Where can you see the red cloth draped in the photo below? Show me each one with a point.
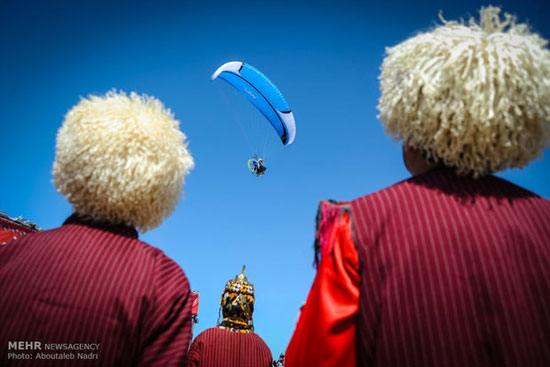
(453, 272)
(325, 333)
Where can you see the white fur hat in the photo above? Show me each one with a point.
(121, 158)
(476, 97)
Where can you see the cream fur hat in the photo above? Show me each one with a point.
(121, 158)
(476, 97)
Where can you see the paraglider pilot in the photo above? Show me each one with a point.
(256, 166)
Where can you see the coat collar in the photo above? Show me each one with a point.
(103, 225)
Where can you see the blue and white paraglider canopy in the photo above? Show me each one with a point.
(263, 94)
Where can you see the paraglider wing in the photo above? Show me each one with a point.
(263, 94)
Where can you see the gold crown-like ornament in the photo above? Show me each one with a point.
(241, 276)
(240, 284)
(237, 304)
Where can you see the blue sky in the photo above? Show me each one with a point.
(324, 56)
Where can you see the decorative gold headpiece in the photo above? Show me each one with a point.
(237, 304)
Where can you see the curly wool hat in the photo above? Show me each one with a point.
(475, 97)
(122, 159)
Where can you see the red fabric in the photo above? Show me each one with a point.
(454, 272)
(6, 236)
(9, 230)
(325, 333)
(195, 303)
(222, 348)
(77, 284)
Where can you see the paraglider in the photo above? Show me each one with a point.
(256, 166)
(265, 96)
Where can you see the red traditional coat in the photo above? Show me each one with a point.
(437, 270)
(93, 289)
(216, 347)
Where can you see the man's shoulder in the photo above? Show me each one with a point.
(389, 193)
(79, 233)
(445, 185)
(436, 183)
(213, 336)
(215, 331)
(86, 242)
(210, 332)
(393, 191)
(261, 342)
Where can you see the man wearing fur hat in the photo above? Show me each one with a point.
(91, 288)
(449, 267)
(233, 342)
